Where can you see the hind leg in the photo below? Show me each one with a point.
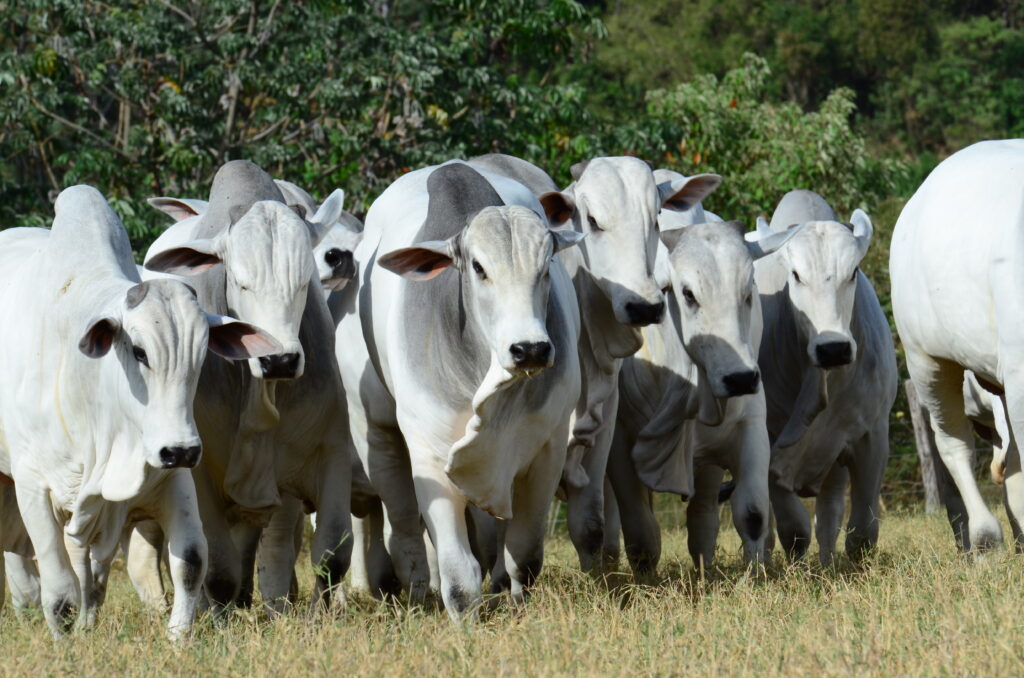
(829, 507)
(940, 387)
(143, 559)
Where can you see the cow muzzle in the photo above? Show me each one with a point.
(531, 356)
(741, 383)
(833, 354)
(641, 314)
(280, 366)
(180, 457)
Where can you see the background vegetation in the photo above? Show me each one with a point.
(857, 99)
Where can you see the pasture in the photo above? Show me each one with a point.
(916, 608)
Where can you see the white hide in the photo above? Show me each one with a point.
(957, 299)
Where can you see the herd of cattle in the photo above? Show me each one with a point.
(427, 384)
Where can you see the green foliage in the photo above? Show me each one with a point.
(765, 149)
(148, 99)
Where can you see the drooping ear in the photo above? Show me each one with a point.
(682, 194)
(862, 229)
(565, 238)
(577, 170)
(188, 259)
(326, 217)
(179, 208)
(767, 244)
(99, 336)
(235, 340)
(423, 261)
(671, 236)
(558, 207)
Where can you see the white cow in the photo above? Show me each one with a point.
(471, 359)
(96, 404)
(829, 371)
(690, 401)
(614, 202)
(957, 298)
(277, 427)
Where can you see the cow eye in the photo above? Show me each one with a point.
(140, 355)
(479, 270)
(796, 277)
(593, 223)
(854, 276)
(750, 299)
(688, 296)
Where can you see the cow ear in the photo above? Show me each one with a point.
(558, 207)
(682, 194)
(670, 236)
(420, 262)
(326, 217)
(179, 208)
(236, 340)
(862, 229)
(99, 336)
(564, 238)
(767, 244)
(577, 170)
(188, 259)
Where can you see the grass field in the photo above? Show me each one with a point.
(916, 608)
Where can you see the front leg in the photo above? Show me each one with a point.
(23, 577)
(586, 504)
(871, 453)
(331, 549)
(702, 517)
(61, 597)
(178, 516)
(750, 508)
(829, 507)
(278, 553)
(792, 521)
(444, 509)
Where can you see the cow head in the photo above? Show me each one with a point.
(160, 337)
(268, 263)
(334, 256)
(615, 202)
(503, 255)
(822, 261)
(712, 280)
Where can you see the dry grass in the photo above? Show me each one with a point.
(916, 609)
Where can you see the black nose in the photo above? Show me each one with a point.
(645, 314)
(280, 366)
(528, 355)
(834, 353)
(742, 383)
(180, 457)
(341, 261)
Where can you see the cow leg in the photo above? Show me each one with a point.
(358, 574)
(1013, 492)
(749, 502)
(81, 563)
(382, 579)
(640, 531)
(444, 509)
(940, 388)
(143, 561)
(792, 521)
(612, 528)
(187, 555)
(483, 535)
(524, 533)
(702, 516)
(432, 566)
(586, 504)
(100, 577)
(387, 466)
(829, 507)
(224, 569)
(246, 537)
(870, 455)
(331, 548)
(60, 594)
(23, 578)
(277, 555)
